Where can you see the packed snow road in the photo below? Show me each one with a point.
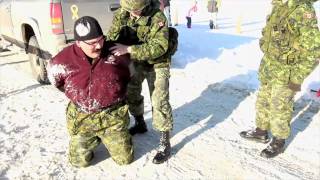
(205, 140)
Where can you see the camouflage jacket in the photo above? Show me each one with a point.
(147, 35)
(291, 38)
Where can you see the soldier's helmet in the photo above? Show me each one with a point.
(134, 5)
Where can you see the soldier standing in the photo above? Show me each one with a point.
(143, 27)
(95, 81)
(291, 46)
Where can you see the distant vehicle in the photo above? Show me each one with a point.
(45, 27)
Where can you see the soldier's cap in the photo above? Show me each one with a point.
(87, 28)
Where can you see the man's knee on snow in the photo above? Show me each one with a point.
(124, 160)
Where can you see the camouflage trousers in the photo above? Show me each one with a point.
(158, 83)
(87, 131)
(274, 108)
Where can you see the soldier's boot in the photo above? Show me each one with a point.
(90, 157)
(257, 135)
(164, 149)
(275, 147)
(211, 25)
(139, 126)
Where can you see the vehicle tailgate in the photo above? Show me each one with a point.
(102, 10)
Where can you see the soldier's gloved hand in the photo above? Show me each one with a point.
(119, 49)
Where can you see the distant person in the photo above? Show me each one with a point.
(165, 7)
(291, 46)
(191, 11)
(95, 81)
(213, 9)
(143, 30)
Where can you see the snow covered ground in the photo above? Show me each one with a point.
(213, 91)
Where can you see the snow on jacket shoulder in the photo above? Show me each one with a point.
(90, 87)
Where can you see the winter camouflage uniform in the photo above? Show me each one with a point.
(291, 47)
(148, 36)
(88, 130)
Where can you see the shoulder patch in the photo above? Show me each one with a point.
(308, 15)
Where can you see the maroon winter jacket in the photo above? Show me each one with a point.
(90, 87)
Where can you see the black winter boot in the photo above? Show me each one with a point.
(164, 149)
(188, 21)
(211, 24)
(257, 135)
(139, 126)
(275, 147)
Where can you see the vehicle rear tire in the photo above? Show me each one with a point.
(36, 60)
